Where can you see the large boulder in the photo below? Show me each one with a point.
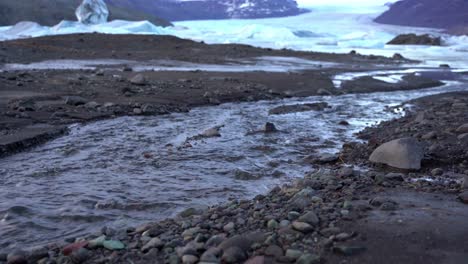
(404, 153)
(92, 12)
(413, 39)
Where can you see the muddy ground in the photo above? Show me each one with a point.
(347, 211)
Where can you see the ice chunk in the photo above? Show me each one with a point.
(92, 12)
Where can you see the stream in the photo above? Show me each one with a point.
(131, 170)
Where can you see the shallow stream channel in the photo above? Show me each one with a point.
(131, 170)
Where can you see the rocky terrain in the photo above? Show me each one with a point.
(346, 210)
(50, 13)
(450, 14)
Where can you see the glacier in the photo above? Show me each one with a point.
(336, 26)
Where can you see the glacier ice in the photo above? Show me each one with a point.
(92, 12)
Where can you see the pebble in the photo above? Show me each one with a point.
(153, 243)
(189, 259)
(274, 251)
(272, 224)
(293, 253)
(345, 172)
(80, 255)
(233, 255)
(113, 245)
(229, 227)
(17, 257)
(310, 218)
(308, 259)
(302, 227)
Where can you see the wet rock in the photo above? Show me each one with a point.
(211, 255)
(302, 227)
(463, 197)
(269, 128)
(383, 202)
(288, 109)
(343, 123)
(348, 250)
(233, 255)
(326, 158)
(92, 12)
(465, 182)
(404, 153)
(463, 137)
(256, 260)
(462, 129)
(37, 253)
(17, 257)
(212, 132)
(398, 56)
(413, 39)
(308, 259)
(322, 91)
(138, 79)
(245, 175)
(215, 241)
(430, 135)
(75, 100)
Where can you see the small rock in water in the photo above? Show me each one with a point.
(404, 153)
(463, 197)
(462, 129)
(113, 245)
(75, 100)
(269, 128)
(212, 132)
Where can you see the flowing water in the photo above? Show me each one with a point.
(131, 170)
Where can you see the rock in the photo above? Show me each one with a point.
(215, 241)
(243, 241)
(308, 259)
(274, 251)
(92, 12)
(245, 175)
(138, 79)
(272, 224)
(153, 243)
(75, 100)
(229, 227)
(256, 260)
(465, 182)
(444, 66)
(326, 158)
(348, 250)
(399, 177)
(288, 109)
(413, 39)
(233, 255)
(345, 172)
(81, 255)
(430, 135)
(189, 259)
(293, 253)
(68, 250)
(302, 227)
(437, 172)
(17, 257)
(462, 129)
(463, 197)
(113, 245)
(322, 91)
(37, 253)
(404, 153)
(211, 255)
(212, 132)
(97, 242)
(398, 56)
(137, 111)
(463, 137)
(269, 128)
(310, 218)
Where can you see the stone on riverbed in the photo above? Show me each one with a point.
(288, 109)
(403, 153)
